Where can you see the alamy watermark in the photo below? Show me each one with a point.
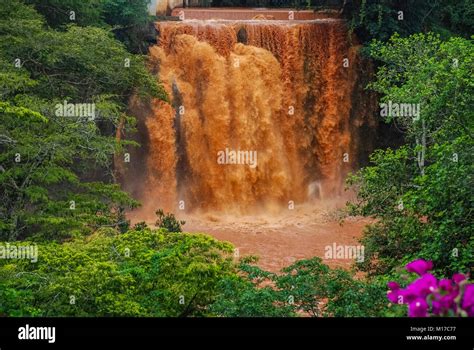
(394, 109)
(230, 156)
(37, 333)
(352, 252)
(80, 110)
(13, 251)
(410, 110)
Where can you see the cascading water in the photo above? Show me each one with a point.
(287, 90)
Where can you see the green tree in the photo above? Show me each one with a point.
(380, 19)
(139, 273)
(168, 221)
(41, 191)
(56, 177)
(421, 194)
(306, 288)
(128, 20)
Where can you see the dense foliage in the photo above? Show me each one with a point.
(158, 273)
(139, 273)
(421, 194)
(128, 20)
(306, 288)
(380, 19)
(56, 175)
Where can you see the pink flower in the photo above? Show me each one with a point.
(418, 308)
(445, 303)
(394, 296)
(468, 300)
(458, 278)
(446, 284)
(393, 286)
(394, 292)
(419, 266)
(423, 286)
(426, 296)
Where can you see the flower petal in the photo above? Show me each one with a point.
(419, 266)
